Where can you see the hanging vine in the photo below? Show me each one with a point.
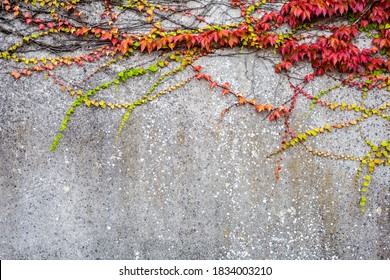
(322, 33)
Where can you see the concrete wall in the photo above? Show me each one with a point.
(178, 184)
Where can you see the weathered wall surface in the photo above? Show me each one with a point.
(178, 184)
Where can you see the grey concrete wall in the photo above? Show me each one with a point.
(178, 184)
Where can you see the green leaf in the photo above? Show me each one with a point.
(153, 68)
(142, 71)
(122, 75)
(160, 63)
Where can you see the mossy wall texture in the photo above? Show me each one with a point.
(177, 183)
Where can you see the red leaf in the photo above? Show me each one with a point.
(114, 41)
(309, 77)
(275, 115)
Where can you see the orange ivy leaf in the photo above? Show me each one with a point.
(140, 8)
(213, 84)
(233, 40)
(226, 86)
(199, 76)
(197, 68)
(26, 72)
(124, 45)
(106, 35)
(259, 108)
(150, 11)
(274, 116)
(268, 107)
(225, 91)
(16, 74)
(241, 99)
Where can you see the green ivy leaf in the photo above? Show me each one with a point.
(160, 63)
(153, 68)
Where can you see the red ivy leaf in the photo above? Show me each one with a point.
(309, 77)
(114, 41)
